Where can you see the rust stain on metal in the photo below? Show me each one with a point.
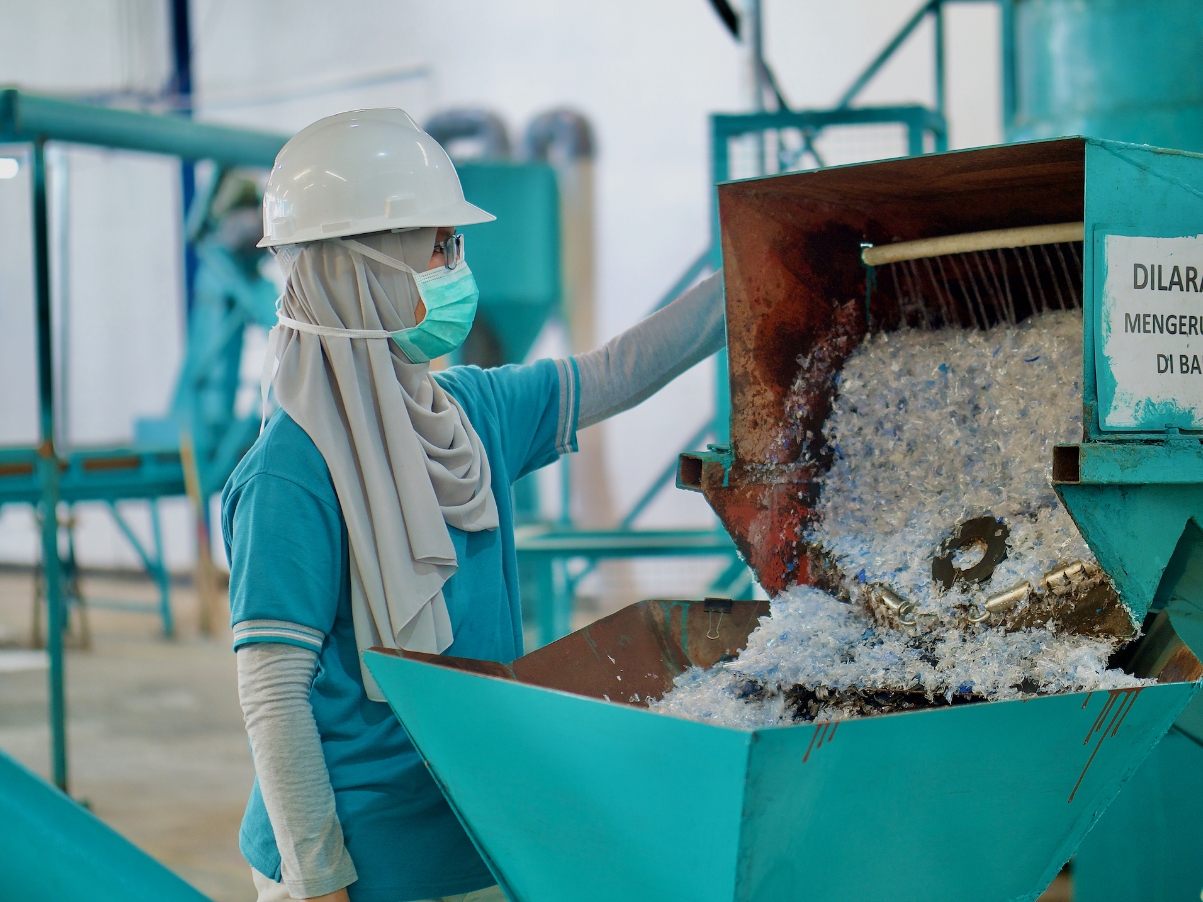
(824, 732)
(1119, 703)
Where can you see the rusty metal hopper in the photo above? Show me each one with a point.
(571, 789)
(796, 308)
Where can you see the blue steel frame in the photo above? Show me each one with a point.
(40, 475)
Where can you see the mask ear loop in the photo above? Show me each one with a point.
(371, 254)
(269, 366)
(363, 250)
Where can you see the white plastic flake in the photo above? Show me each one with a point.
(929, 429)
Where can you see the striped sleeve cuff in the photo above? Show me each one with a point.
(570, 405)
(281, 631)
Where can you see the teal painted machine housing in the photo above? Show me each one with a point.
(1122, 69)
(1128, 70)
(1139, 191)
(1132, 492)
(1137, 497)
(516, 258)
(574, 793)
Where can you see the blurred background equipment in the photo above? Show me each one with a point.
(133, 310)
(46, 475)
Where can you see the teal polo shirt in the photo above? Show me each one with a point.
(286, 541)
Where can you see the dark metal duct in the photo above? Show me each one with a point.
(471, 125)
(562, 133)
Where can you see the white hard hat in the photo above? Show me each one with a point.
(359, 172)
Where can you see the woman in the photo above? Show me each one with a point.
(375, 508)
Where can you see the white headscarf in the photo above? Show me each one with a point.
(405, 461)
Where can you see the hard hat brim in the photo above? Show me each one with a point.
(459, 213)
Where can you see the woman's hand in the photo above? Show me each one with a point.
(339, 895)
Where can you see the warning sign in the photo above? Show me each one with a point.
(1150, 360)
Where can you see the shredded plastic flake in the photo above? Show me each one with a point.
(929, 430)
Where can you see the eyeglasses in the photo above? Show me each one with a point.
(452, 249)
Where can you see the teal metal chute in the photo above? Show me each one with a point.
(572, 790)
(53, 848)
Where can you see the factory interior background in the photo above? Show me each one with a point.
(155, 736)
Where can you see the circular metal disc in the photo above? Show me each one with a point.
(988, 531)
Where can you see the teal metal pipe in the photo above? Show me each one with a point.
(28, 117)
(1122, 69)
(1007, 26)
(623, 543)
(36, 120)
(51, 848)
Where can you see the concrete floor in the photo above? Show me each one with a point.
(156, 742)
(155, 738)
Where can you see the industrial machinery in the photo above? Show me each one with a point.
(585, 795)
(516, 259)
(1085, 68)
(54, 848)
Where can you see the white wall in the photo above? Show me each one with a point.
(646, 74)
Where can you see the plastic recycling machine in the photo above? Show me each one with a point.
(585, 794)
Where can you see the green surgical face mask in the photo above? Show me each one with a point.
(450, 297)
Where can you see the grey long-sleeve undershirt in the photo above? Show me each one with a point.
(637, 363)
(274, 679)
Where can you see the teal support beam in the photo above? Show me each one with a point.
(52, 848)
(703, 263)
(548, 551)
(886, 52)
(940, 86)
(48, 470)
(28, 117)
(153, 565)
(1007, 27)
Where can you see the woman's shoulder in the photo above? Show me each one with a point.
(285, 451)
